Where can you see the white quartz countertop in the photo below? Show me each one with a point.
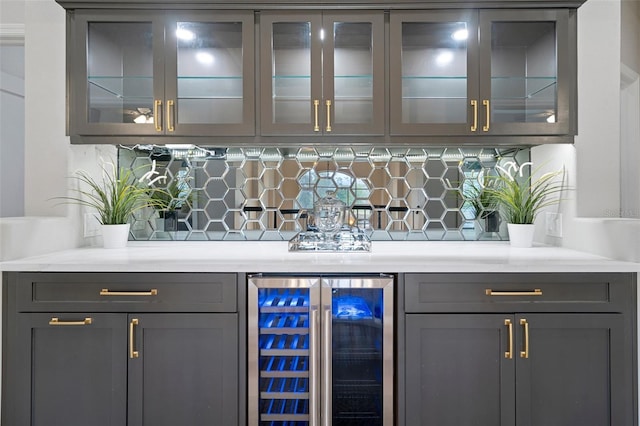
(274, 257)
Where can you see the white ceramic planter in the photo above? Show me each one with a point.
(521, 235)
(115, 236)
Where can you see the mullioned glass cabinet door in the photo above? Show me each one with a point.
(434, 73)
(524, 69)
(141, 73)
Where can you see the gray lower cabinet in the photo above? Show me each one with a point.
(482, 364)
(147, 366)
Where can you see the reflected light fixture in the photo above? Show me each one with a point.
(322, 34)
(184, 34)
(205, 58)
(444, 57)
(551, 118)
(460, 35)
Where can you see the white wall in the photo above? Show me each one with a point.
(11, 129)
(591, 219)
(49, 158)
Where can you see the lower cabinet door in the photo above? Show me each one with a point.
(456, 372)
(575, 370)
(71, 370)
(183, 369)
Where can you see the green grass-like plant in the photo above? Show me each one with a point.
(521, 199)
(481, 198)
(115, 198)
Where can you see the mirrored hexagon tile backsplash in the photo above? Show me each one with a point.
(269, 193)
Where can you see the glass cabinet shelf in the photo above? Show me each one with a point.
(130, 87)
(523, 87)
(434, 87)
(216, 87)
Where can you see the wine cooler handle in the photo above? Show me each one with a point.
(314, 370)
(326, 368)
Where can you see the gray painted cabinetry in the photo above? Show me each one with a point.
(519, 349)
(143, 73)
(114, 349)
(379, 74)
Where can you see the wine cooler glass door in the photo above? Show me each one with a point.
(283, 359)
(357, 352)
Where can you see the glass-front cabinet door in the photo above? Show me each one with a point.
(433, 72)
(117, 81)
(147, 74)
(489, 72)
(209, 75)
(524, 69)
(322, 74)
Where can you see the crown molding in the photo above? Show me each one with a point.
(11, 34)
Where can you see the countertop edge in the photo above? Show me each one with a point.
(274, 257)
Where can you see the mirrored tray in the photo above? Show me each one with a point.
(346, 240)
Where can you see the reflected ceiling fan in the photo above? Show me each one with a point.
(138, 115)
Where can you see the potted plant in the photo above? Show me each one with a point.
(115, 198)
(521, 198)
(168, 202)
(484, 205)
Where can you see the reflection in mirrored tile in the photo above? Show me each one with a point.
(268, 193)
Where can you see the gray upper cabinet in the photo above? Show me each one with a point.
(322, 73)
(486, 72)
(378, 74)
(155, 73)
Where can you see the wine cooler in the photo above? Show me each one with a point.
(320, 350)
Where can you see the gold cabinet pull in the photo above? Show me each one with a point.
(525, 325)
(107, 292)
(328, 103)
(487, 108)
(509, 354)
(132, 329)
(316, 104)
(535, 292)
(474, 104)
(157, 122)
(171, 115)
(56, 321)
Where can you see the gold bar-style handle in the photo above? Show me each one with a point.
(132, 329)
(171, 115)
(509, 354)
(328, 103)
(56, 321)
(487, 108)
(107, 292)
(525, 353)
(157, 103)
(316, 105)
(474, 104)
(534, 292)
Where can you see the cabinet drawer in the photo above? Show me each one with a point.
(126, 292)
(543, 292)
